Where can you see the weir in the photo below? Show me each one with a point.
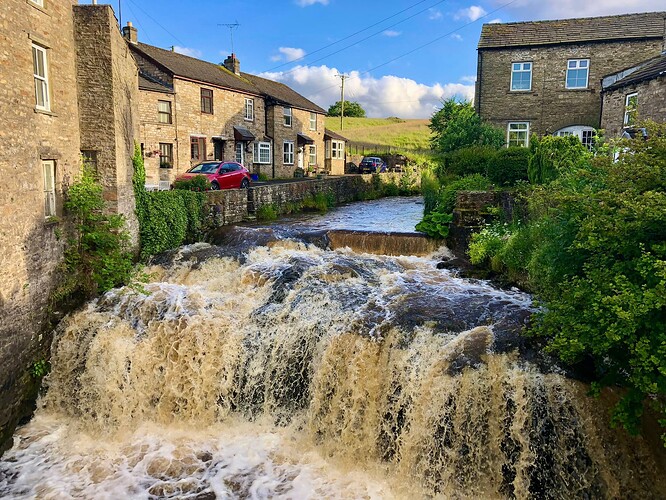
(277, 368)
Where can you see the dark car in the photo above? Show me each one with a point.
(371, 165)
(222, 175)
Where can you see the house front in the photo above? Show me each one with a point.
(544, 77)
(335, 156)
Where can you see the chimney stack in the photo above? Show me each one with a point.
(130, 33)
(232, 64)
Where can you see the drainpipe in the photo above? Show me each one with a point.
(267, 104)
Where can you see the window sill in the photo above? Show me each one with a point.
(248, 119)
(586, 89)
(38, 7)
(45, 112)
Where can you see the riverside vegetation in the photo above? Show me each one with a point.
(590, 244)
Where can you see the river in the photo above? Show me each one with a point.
(272, 366)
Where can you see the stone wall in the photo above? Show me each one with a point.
(227, 207)
(108, 90)
(152, 133)
(651, 105)
(549, 106)
(31, 248)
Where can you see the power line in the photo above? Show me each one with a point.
(157, 22)
(357, 41)
(136, 18)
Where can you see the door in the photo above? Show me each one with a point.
(300, 157)
(218, 147)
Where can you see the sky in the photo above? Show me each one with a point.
(403, 57)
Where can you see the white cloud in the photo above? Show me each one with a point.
(538, 9)
(457, 37)
(289, 54)
(188, 52)
(472, 13)
(380, 97)
(307, 3)
(471, 79)
(495, 21)
(391, 33)
(435, 14)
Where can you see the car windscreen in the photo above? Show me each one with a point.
(205, 168)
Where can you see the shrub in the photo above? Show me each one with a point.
(447, 198)
(551, 155)
(430, 189)
(262, 177)
(470, 160)
(267, 212)
(435, 225)
(509, 166)
(196, 183)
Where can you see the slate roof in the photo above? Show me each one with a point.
(334, 135)
(590, 29)
(653, 69)
(215, 74)
(148, 83)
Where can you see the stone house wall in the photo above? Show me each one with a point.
(335, 166)
(31, 247)
(651, 105)
(228, 111)
(549, 106)
(108, 91)
(281, 133)
(152, 133)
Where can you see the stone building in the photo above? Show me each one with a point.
(48, 48)
(637, 93)
(193, 110)
(544, 77)
(335, 156)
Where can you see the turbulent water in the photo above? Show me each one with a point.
(294, 371)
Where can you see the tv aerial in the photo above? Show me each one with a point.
(231, 27)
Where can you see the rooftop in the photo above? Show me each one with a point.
(567, 31)
(650, 70)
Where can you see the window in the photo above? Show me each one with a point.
(630, 109)
(207, 101)
(583, 132)
(38, 2)
(337, 149)
(249, 109)
(286, 112)
(48, 167)
(288, 153)
(89, 158)
(166, 155)
(521, 76)
(577, 73)
(197, 148)
(239, 152)
(313, 155)
(313, 121)
(262, 152)
(40, 71)
(164, 111)
(518, 134)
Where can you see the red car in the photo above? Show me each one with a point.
(222, 175)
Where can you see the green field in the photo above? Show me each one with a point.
(404, 135)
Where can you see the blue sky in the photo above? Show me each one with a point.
(306, 43)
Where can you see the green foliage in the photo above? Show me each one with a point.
(267, 212)
(430, 190)
(196, 183)
(435, 224)
(509, 166)
(552, 155)
(39, 369)
(449, 192)
(407, 183)
(352, 109)
(470, 160)
(262, 177)
(97, 256)
(456, 125)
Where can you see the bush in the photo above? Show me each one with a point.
(435, 224)
(447, 198)
(509, 166)
(470, 160)
(430, 189)
(267, 212)
(551, 155)
(196, 183)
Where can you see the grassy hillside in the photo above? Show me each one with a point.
(407, 135)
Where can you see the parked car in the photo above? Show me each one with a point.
(222, 175)
(371, 165)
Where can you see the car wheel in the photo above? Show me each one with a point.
(214, 186)
(245, 184)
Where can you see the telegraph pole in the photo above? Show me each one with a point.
(342, 102)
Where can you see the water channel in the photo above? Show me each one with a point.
(267, 365)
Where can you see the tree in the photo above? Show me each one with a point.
(456, 125)
(352, 109)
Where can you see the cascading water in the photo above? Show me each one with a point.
(300, 372)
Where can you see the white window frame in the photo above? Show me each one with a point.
(262, 153)
(287, 116)
(313, 121)
(312, 153)
(577, 68)
(288, 152)
(48, 173)
(249, 109)
(240, 152)
(521, 70)
(512, 128)
(628, 112)
(41, 80)
(39, 3)
(337, 150)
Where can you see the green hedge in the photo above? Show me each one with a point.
(469, 161)
(509, 166)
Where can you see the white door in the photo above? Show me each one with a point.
(300, 157)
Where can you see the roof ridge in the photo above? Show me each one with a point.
(544, 21)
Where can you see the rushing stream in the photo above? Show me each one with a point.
(275, 367)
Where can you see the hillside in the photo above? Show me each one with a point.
(404, 135)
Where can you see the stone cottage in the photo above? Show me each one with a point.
(192, 110)
(637, 93)
(335, 157)
(544, 77)
(66, 83)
